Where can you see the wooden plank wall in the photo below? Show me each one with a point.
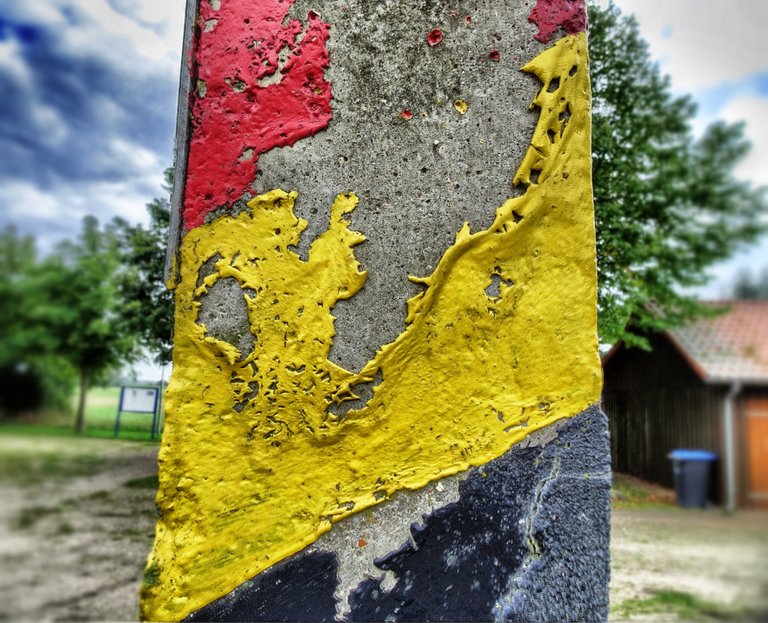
(646, 425)
(656, 403)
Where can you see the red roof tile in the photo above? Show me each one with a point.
(730, 347)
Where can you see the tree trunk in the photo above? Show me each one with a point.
(80, 419)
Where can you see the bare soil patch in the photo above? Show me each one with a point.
(692, 565)
(73, 536)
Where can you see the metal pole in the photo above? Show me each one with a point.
(119, 411)
(155, 414)
(730, 449)
(161, 405)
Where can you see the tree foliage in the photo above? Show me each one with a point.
(93, 305)
(147, 302)
(62, 312)
(88, 324)
(667, 204)
(32, 375)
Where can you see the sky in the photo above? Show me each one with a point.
(88, 93)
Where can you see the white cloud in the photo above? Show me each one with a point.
(711, 41)
(724, 274)
(52, 215)
(26, 203)
(754, 111)
(12, 65)
(135, 159)
(148, 32)
(37, 11)
(120, 39)
(50, 127)
(93, 104)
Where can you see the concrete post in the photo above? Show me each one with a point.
(386, 366)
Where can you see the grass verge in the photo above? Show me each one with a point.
(100, 416)
(668, 605)
(630, 492)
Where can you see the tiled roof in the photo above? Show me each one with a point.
(730, 347)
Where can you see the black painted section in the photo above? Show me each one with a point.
(297, 589)
(528, 540)
(571, 525)
(462, 557)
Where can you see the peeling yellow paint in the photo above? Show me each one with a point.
(501, 342)
(461, 106)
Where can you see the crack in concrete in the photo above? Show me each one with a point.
(534, 547)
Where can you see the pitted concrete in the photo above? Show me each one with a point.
(525, 537)
(225, 314)
(418, 180)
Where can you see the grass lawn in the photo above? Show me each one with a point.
(100, 415)
(673, 605)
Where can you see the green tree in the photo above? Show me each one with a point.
(32, 376)
(667, 205)
(18, 259)
(147, 304)
(82, 314)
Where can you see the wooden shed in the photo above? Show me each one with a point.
(704, 386)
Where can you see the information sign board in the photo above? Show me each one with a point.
(139, 399)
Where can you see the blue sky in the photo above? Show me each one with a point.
(88, 100)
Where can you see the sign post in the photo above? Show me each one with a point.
(383, 403)
(138, 399)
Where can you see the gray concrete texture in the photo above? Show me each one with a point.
(526, 536)
(418, 180)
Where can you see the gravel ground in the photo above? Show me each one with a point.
(720, 561)
(77, 515)
(73, 536)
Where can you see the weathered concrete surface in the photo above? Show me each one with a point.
(523, 538)
(418, 180)
(431, 119)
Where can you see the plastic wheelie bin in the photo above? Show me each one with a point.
(693, 476)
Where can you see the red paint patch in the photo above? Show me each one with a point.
(362, 543)
(247, 103)
(468, 19)
(406, 114)
(434, 37)
(551, 15)
(494, 55)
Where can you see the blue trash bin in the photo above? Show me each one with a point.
(693, 476)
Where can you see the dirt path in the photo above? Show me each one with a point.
(74, 538)
(721, 561)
